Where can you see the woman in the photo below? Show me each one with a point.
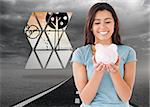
(103, 85)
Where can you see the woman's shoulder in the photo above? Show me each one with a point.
(126, 47)
(80, 54)
(83, 48)
(128, 53)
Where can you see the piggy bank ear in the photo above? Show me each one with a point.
(113, 47)
(98, 46)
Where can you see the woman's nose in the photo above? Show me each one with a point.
(102, 26)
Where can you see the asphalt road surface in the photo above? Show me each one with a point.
(63, 96)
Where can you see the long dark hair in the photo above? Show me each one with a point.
(88, 34)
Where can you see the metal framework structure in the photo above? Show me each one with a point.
(51, 48)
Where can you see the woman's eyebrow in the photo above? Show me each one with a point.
(108, 19)
(104, 19)
(97, 19)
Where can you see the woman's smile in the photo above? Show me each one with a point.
(103, 33)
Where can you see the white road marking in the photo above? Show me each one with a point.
(23, 103)
(77, 101)
(77, 92)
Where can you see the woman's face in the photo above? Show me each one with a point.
(103, 26)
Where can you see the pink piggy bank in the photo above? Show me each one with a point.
(106, 54)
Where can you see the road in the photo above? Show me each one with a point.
(63, 96)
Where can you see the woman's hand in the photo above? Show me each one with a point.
(99, 67)
(112, 68)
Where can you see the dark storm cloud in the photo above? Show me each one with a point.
(135, 22)
(140, 42)
(147, 2)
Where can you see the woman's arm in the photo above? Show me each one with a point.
(87, 88)
(123, 86)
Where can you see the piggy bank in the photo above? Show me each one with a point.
(106, 54)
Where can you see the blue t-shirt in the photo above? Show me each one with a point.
(106, 95)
